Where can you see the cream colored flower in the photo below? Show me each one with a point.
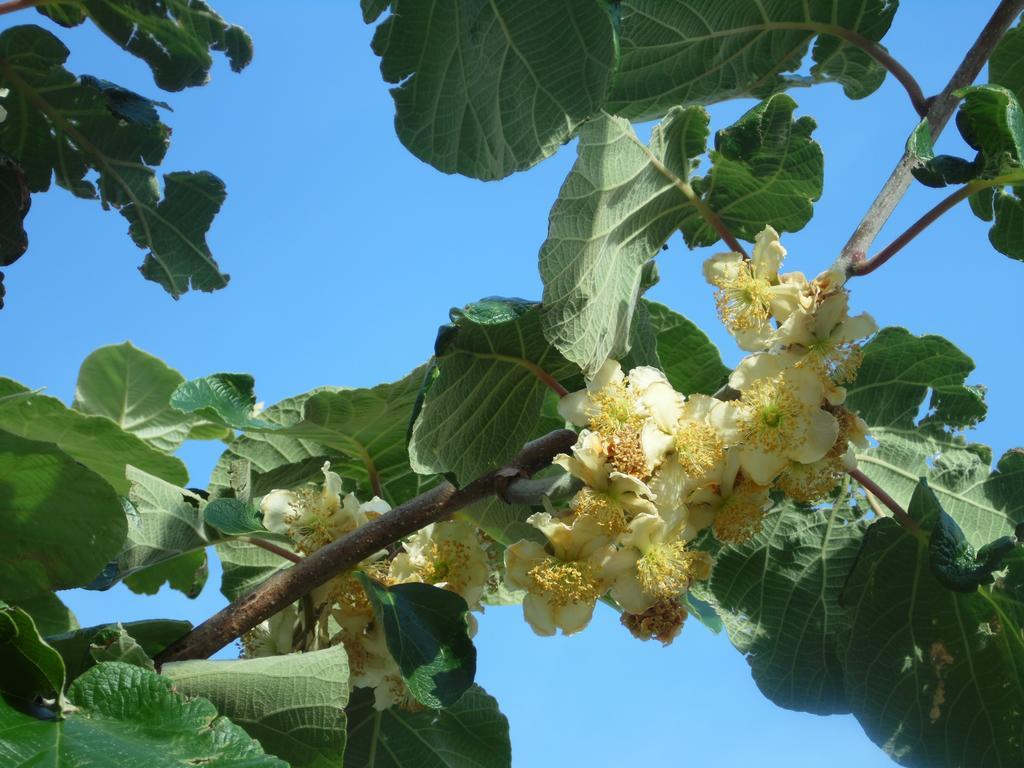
(778, 420)
(737, 505)
(273, 637)
(448, 555)
(672, 487)
(750, 292)
(563, 584)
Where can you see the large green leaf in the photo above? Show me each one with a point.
(50, 614)
(29, 668)
(932, 675)
(778, 595)
(127, 715)
(186, 573)
(294, 704)
(427, 634)
(472, 732)
(133, 389)
(488, 87)
(175, 37)
(152, 636)
(486, 399)
(688, 357)
(62, 522)
(898, 372)
(765, 169)
(681, 52)
(245, 566)
(223, 398)
(95, 441)
(613, 214)
(66, 128)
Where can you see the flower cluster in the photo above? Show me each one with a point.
(659, 467)
(450, 555)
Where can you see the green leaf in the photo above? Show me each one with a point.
(115, 644)
(246, 566)
(294, 704)
(682, 52)
(486, 88)
(174, 38)
(937, 171)
(688, 357)
(68, 128)
(503, 522)
(372, 9)
(223, 398)
(952, 559)
(765, 169)
(614, 212)
(129, 716)
(95, 441)
(427, 635)
(15, 201)
(1007, 234)
(133, 389)
(1006, 65)
(930, 673)
(492, 362)
(472, 732)
(62, 522)
(778, 595)
(164, 522)
(234, 517)
(152, 636)
(991, 121)
(185, 573)
(50, 615)
(29, 668)
(897, 373)
(175, 230)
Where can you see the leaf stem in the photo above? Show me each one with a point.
(941, 109)
(703, 208)
(271, 547)
(287, 586)
(898, 513)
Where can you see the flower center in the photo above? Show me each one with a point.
(744, 301)
(740, 516)
(602, 508)
(810, 482)
(563, 582)
(771, 415)
(699, 448)
(667, 570)
(613, 409)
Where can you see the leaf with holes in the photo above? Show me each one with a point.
(484, 87)
(681, 52)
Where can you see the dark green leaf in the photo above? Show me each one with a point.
(486, 88)
(613, 214)
(50, 615)
(115, 644)
(427, 635)
(688, 357)
(494, 368)
(95, 441)
(133, 389)
(472, 732)
(778, 595)
(941, 170)
(127, 715)
(1006, 66)
(126, 104)
(1007, 234)
(234, 517)
(245, 567)
(29, 668)
(294, 704)
(175, 38)
(372, 9)
(224, 398)
(185, 573)
(67, 128)
(681, 52)
(152, 636)
(765, 169)
(930, 673)
(62, 522)
(15, 201)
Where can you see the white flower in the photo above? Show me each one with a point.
(447, 554)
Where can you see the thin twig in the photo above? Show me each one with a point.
(285, 587)
(21, 5)
(942, 108)
(271, 547)
(898, 512)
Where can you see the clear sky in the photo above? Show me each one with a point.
(346, 253)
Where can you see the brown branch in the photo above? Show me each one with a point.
(898, 513)
(271, 547)
(942, 108)
(21, 5)
(285, 587)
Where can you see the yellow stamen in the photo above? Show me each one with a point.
(744, 301)
(614, 409)
(771, 415)
(605, 511)
(667, 570)
(699, 448)
(563, 582)
(810, 482)
(740, 516)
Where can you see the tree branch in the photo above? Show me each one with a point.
(285, 587)
(942, 108)
(21, 5)
(256, 541)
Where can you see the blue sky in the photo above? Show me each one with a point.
(346, 253)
